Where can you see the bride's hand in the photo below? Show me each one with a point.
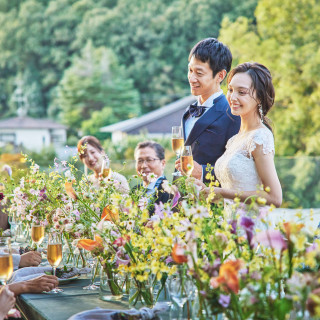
(198, 183)
(204, 194)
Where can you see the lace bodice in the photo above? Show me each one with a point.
(236, 168)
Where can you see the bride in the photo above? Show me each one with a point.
(248, 162)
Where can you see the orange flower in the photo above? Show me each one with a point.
(89, 245)
(228, 275)
(108, 215)
(291, 227)
(178, 254)
(70, 191)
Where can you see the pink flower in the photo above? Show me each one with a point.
(175, 199)
(272, 238)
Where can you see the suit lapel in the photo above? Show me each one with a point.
(184, 118)
(209, 117)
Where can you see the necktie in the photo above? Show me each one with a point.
(196, 111)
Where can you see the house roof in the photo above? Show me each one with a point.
(29, 123)
(137, 122)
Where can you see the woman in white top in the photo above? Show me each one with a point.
(248, 162)
(93, 157)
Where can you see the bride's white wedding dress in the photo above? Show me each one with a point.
(236, 168)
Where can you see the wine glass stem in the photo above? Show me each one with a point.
(54, 271)
(93, 273)
(180, 317)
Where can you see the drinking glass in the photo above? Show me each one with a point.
(37, 234)
(54, 255)
(92, 263)
(14, 225)
(186, 160)
(181, 289)
(6, 262)
(177, 145)
(105, 168)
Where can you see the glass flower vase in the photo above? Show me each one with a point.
(141, 293)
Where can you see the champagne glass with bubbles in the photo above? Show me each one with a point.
(186, 160)
(54, 255)
(6, 262)
(177, 145)
(37, 234)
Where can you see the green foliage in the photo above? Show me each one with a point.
(96, 88)
(44, 158)
(285, 39)
(39, 39)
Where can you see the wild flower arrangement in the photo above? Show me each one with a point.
(242, 267)
(246, 270)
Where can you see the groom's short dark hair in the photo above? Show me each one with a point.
(217, 54)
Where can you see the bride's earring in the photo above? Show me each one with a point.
(260, 111)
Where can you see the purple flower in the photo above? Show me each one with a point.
(255, 275)
(233, 226)
(43, 194)
(224, 300)
(272, 238)
(247, 223)
(122, 258)
(313, 247)
(203, 293)
(169, 260)
(158, 210)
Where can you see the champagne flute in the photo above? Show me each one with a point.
(14, 230)
(6, 262)
(177, 145)
(92, 262)
(54, 255)
(105, 167)
(181, 289)
(37, 234)
(186, 160)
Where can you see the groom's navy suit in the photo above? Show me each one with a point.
(211, 132)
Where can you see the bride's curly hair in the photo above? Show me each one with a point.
(261, 84)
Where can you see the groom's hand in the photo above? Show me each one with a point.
(197, 169)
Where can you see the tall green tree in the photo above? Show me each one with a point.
(96, 91)
(286, 39)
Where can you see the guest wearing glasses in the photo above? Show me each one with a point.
(150, 164)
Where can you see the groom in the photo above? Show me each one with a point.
(208, 123)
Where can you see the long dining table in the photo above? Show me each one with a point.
(61, 306)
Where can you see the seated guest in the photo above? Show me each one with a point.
(93, 157)
(150, 161)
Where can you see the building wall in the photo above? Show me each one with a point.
(34, 139)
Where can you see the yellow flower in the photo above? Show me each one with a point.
(267, 189)
(261, 201)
